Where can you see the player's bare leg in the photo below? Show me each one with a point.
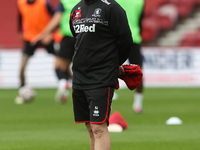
(91, 136)
(101, 136)
(24, 62)
(138, 99)
(64, 73)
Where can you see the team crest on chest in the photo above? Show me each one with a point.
(77, 14)
(97, 12)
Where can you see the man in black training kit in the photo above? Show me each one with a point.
(103, 43)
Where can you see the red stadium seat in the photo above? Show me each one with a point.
(198, 38)
(184, 7)
(189, 39)
(167, 16)
(150, 29)
(149, 8)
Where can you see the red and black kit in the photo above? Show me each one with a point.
(103, 42)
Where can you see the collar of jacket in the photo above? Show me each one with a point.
(88, 2)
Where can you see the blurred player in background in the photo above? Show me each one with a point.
(66, 50)
(34, 15)
(134, 10)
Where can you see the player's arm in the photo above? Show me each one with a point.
(55, 21)
(52, 26)
(119, 26)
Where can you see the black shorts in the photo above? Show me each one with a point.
(30, 49)
(92, 106)
(135, 56)
(66, 48)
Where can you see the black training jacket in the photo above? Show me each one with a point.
(103, 42)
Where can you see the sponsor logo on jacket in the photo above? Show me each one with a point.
(83, 28)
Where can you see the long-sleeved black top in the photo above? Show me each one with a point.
(103, 42)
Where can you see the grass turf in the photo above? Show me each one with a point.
(46, 125)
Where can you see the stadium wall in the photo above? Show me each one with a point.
(163, 67)
(171, 66)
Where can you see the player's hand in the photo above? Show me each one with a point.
(37, 39)
(47, 39)
(121, 71)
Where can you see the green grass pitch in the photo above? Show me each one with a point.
(46, 125)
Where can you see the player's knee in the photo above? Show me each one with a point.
(98, 131)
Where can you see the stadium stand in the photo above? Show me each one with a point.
(184, 7)
(186, 32)
(191, 39)
(167, 16)
(162, 16)
(166, 23)
(162, 25)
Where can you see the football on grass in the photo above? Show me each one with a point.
(27, 93)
